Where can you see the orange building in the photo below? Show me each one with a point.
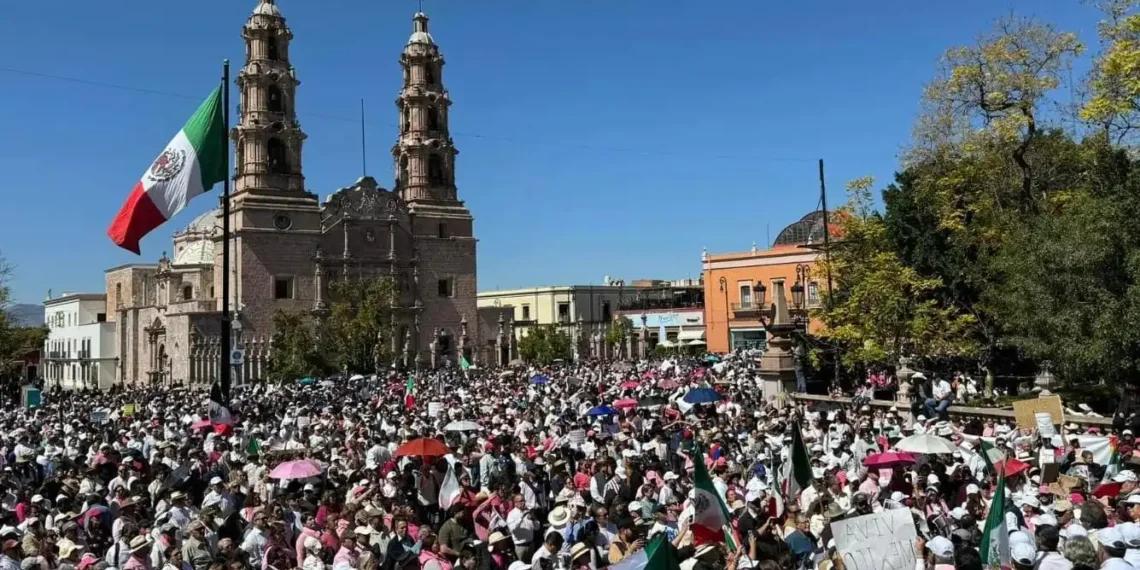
(734, 283)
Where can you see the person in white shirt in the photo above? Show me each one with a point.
(522, 525)
(941, 392)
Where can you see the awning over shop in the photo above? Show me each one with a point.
(691, 335)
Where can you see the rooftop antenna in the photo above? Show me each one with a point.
(363, 143)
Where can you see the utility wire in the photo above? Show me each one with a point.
(356, 121)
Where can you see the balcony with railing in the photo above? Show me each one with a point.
(746, 310)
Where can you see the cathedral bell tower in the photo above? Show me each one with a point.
(268, 138)
(441, 224)
(275, 222)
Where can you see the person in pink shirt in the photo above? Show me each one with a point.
(309, 531)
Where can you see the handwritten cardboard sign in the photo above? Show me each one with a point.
(880, 541)
(1026, 410)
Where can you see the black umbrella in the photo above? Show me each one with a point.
(652, 402)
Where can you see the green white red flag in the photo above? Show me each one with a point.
(995, 537)
(410, 392)
(188, 167)
(710, 515)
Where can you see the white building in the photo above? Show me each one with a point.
(80, 348)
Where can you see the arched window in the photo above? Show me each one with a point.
(404, 170)
(274, 100)
(187, 293)
(435, 169)
(432, 118)
(278, 156)
(271, 50)
(443, 230)
(406, 121)
(429, 75)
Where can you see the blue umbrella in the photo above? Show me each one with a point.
(702, 396)
(539, 380)
(601, 411)
(307, 381)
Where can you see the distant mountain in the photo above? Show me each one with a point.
(27, 314)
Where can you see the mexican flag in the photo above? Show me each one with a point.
(410, 392)
(657, 555)
(797, 473)
(991, 454)
(463, 362)
(450, 490)
(254, 447)
(710, 515)
(994, 549)
(189, 166)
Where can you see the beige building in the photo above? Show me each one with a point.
(584, 312)
(287, 246)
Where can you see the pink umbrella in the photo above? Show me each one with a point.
(626, 403)
(300, 469)
(888, 459)
(668, 385)
(629, 385)
(200, 424)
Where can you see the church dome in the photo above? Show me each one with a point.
(205, 223)
(808, 230)
(195, 245)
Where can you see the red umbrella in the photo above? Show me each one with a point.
(629, 385)
(626, 403)
(201, 424)
(888, 459)
(1110, 489)
(422, 447)
(1011, 466)
(668, 385)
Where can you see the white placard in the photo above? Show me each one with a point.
(1045, 424)
(881, 541)
(434, 408)
(302, 422)
(577, 438)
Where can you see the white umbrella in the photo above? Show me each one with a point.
(462, 425)
(356, 377)
(926, 443)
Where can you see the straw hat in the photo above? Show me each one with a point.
(139, 544)
(578, 550)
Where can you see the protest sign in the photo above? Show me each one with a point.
(880, 541)
(1045, 424)
(100, 416)
(1026, 410)
(577, 438)
(129, 409)
(434, 408)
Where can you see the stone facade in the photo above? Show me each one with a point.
(287, 246)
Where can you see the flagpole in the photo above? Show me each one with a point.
(226, 348)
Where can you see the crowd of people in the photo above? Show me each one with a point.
(582, 467)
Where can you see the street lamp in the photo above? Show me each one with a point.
(803, 274)
(727, 329)
(235, 329)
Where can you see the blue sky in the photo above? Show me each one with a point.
(596, 137)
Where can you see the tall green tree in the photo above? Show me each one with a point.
(1113, 104)
(882, 309)
(619, 330)
(15, 340)
(543, 345)
(296, 351)
(1070, 291)
(355, 335)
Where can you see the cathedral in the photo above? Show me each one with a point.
(287, 246)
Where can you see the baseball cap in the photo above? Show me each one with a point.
(1023, 554)
(941, 547)
(1133, 499)
(1111, 538)
(1130, 531)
